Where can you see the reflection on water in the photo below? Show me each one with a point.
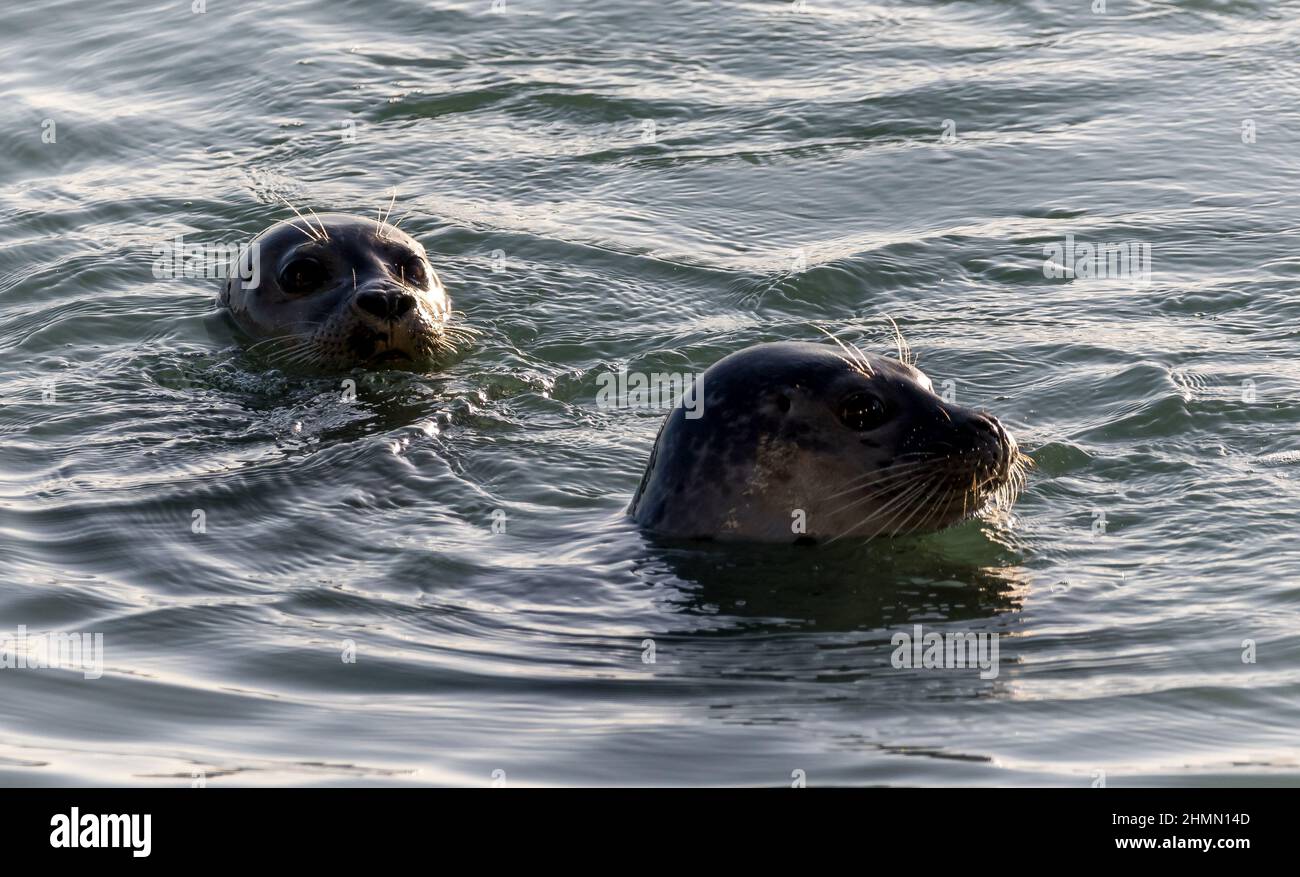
(838, 587)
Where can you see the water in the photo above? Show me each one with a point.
(1156, 536)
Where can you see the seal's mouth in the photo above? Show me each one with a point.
(391, 356)
(367, 346)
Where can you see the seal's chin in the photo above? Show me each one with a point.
(390, 357)
(407, 344)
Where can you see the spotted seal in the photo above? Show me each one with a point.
(338, 291)
(795, 441)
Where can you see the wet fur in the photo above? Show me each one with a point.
(770, 443)
(326, 330)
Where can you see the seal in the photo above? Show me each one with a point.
(341, 292)
(802, 442)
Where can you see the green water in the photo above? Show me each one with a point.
(650, 186)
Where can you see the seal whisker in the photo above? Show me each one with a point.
(454, 335)
(904, 349)
(462, 326)
(885, 486)
(312, 233)
(310, 236)
(325, 235)
(923, 505)
(862, 357)
(883, 474)
(895, 507)
(879, 481)
(289, 351)
(880, 476)
(916, 500)
(1017, 479)
(889, 473)
(462, 329)
(903, 497)
(853, 353)
(391, 201)
(381, 216)
(275, 338)
(887, 483)
(894, 489)
(288, 359)
(250, 348)
(919, 503)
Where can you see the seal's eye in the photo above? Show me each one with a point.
(302, 276)
(863, 411)
(412, 271)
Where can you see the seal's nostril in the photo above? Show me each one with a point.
(402, 302)
(385, 305)
(993, 446)
(375, 303)
(988, 423)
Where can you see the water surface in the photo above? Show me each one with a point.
(650, 186)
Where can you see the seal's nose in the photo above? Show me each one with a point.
(997, 445)
(387, 304)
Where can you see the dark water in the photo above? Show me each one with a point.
(800, 175)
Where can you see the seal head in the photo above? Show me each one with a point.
(797, 442)
(339, 292)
